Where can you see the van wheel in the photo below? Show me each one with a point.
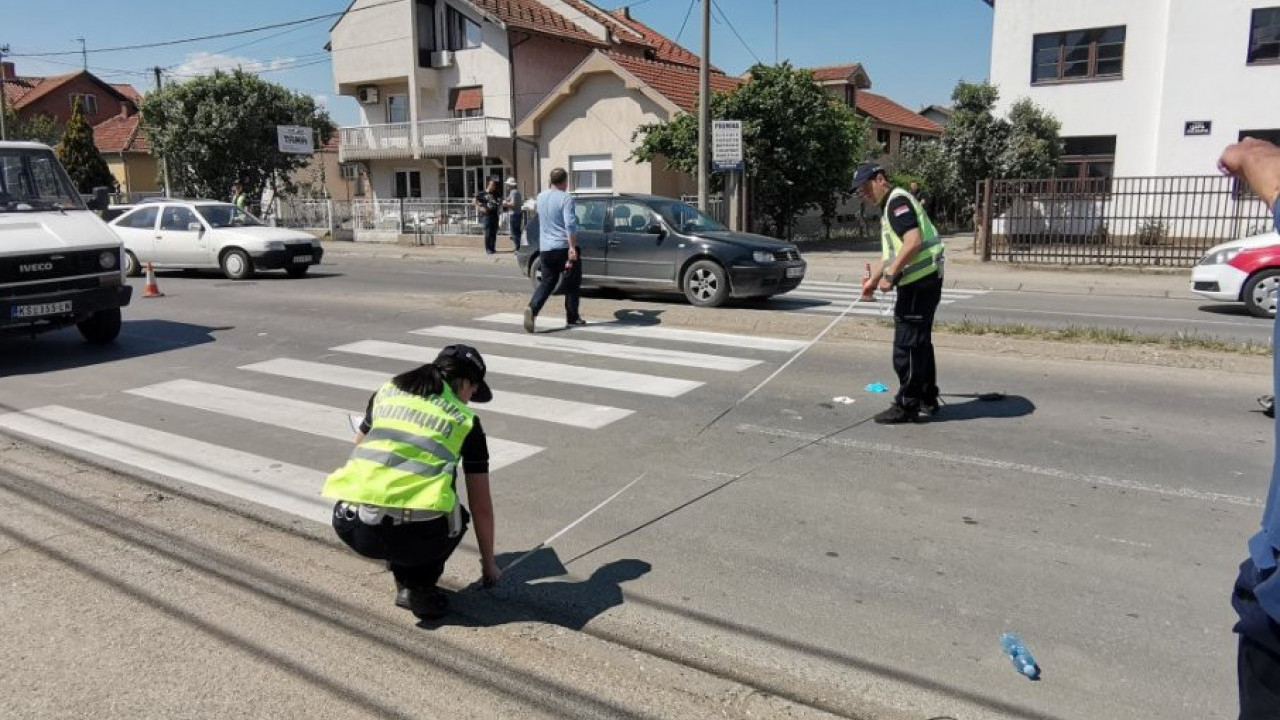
(236, 265)
(705, 284)
(1260, 293)
(101, 327)
(131, 266)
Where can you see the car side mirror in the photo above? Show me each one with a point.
(195, 227)
(101, 199)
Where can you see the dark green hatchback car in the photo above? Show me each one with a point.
(648, 243)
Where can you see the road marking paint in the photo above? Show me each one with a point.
(257, 479)
(1011, 466)
(655, 332)
(297, 415)
(544, 341)
(533, 407)
(620, 380)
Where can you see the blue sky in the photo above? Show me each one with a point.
(914, 50)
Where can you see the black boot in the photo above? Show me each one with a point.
(896, 415)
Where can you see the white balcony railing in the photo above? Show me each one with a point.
(436, 138)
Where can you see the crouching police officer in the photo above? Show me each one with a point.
(912, 263)
(397, 496)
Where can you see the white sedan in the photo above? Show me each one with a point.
(198, 234)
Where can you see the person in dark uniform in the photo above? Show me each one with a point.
(911, 262)
(1256, 596)
(397, 496)
(489, 205)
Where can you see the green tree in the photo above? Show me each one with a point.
(80, 156)
(800, 144)
(216, 130)
(38, 128)
(1033, 147)
(975, 138)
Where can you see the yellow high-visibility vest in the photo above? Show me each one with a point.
(928, 259)
(408, 457)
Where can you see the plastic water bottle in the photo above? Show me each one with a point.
(1020, 656)
(866, 277)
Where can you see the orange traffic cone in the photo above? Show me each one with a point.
(151, 290)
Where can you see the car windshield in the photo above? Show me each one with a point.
(685, 218)
(226, 215)
(32, 180)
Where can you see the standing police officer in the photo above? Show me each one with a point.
(397, 496)
(911, 262)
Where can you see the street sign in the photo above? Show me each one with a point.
(1197, 127)
(726, 145)
(295, 139)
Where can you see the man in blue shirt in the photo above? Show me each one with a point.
(1257, 590)
(557, 251)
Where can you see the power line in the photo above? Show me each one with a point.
(735, 32)
(214, 36)
(687, 13)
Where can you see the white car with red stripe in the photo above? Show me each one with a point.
(1245, 270)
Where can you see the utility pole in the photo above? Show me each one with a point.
(3, 104)
(704, 107)
(84, 54)
(164, 165)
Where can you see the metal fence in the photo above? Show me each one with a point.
(313, 214)
(717, 209)
(1114, 221)
(415, 217)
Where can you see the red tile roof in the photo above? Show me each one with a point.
(38, 89)
(881, 108)
(831, 73)
(677, 83)
(533, 16)
(128, 91)
(665, 49)
(121, 133)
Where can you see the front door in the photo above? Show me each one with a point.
(634, 252)
(591, 238)
(138, 231)
(177, 244)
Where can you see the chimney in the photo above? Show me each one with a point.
(7, 71)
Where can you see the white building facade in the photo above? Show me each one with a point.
(1143, 87)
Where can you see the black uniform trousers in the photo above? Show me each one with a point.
(552, 263)
(415, 552)
(913, 359)
(490, 233)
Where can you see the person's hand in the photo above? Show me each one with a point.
(1232, 160)
(573, 254)
(885, 285)
(868, 289)
(489, 572)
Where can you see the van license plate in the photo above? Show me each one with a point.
(795, 272)
(42, 309)
(301, 258)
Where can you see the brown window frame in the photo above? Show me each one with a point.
(1273, 15)
(1061, 62)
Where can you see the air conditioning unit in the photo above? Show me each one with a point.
(442, 59)
(367, 94)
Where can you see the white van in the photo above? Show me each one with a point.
(60, 264)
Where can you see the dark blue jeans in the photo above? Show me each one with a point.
(552, 264)
(517, 228)
(490, 234)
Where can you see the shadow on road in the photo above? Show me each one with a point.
(527, 595)
(989, 405)
(65, 349)
(1231, 310)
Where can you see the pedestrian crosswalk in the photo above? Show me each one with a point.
(587, 379)
(833, 298)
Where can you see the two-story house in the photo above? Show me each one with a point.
(891, 123)
(1143, 87)
(54, 96)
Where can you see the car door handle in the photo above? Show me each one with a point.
(614, 243)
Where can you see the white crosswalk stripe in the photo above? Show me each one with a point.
(622, 381)
(543, 341)
(832, 298)
(655, 332)
(533, 407)
(262, 480)
(297, 415)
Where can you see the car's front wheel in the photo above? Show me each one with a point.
(236, 265)
(705, 284)
(1260, 293)
(101, 327)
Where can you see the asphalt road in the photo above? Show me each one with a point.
(796, 548)
(1181, 313)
